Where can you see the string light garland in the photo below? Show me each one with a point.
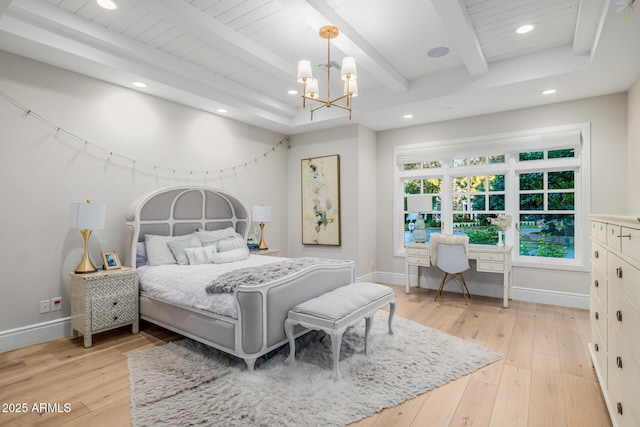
(58, 131)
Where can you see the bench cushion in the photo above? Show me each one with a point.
(343, 301)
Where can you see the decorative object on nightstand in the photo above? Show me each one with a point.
(86, 216)
(262, 214)
(502, 223)
(111, 260)
(419, 204)
(102, 301)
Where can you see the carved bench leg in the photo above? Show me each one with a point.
(336, 342)
(288, 330)
(392, 310)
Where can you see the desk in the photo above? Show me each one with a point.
(489, 258)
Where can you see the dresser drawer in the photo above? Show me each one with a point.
(599, 284)
(599, 256)
(624, 276)
(492, 267)
(599, 350)
(620, 407)
(623, 366)
(488, 256)
(613, 236)
(624, 319)
(598, 313)
(630, 242)
(599, 231)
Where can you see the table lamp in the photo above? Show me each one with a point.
(86, 216)
(262, 214)
(419, 204)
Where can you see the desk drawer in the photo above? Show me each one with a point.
(418, 252)
(492, 267)
(421, 260)
(489, 256)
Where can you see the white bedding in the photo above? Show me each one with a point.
(185, 284)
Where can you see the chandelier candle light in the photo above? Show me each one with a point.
(348, 75)
(502, 223)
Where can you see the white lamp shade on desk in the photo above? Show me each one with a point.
(261, 214)
(87, 215)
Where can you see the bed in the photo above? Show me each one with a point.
(255, 325)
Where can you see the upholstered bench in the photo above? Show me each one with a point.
(335, 311)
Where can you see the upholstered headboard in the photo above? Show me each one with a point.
(176, 211)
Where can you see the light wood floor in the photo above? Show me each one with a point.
(545, 378)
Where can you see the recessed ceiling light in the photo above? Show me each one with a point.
(139, 84)
(292, 92)
(548, 91)
(525, 28)
(222, 110)
(437, 52)
(108, 4)
(408, 116)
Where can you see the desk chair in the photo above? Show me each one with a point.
(451, 258)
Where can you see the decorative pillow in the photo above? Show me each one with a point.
(177, 248)
(141, 255)
(231, 256)
(158, 252)
(202, 255)
(231, 243)
(208, 237)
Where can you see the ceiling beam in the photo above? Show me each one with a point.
(317, 13)
(459, 27)
(591, 16)
(196, 22)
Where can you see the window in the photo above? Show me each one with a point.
(538, 177)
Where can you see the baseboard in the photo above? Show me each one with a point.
(564, 299)
(370, 277)
(33, 334)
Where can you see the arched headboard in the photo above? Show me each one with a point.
(176, 211)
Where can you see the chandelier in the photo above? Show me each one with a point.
(348, 75)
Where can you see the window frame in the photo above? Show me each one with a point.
(509, 144)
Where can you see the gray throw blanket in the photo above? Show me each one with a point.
(252, 276)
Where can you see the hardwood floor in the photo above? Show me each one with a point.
(544, 379)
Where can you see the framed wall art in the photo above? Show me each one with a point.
(320, 177)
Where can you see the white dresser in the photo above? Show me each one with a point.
(615, 314)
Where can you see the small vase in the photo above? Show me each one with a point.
(500, 242)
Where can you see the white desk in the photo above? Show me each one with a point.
(489, 258)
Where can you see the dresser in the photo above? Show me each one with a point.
(489, 259)
(102, 301)
(615, 314)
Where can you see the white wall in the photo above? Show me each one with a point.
(607, 115)
(356, 147)
(633, 149)
(41, 173)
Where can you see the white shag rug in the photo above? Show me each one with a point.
(186, 383)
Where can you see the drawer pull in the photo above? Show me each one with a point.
(115, 303)
(596, 254)
(619, 272)
(596, 283)
(115, 318)
(597, 316)
(619, 362)
(619, 315)
(625, 235)
(595, 346)
(619, 405)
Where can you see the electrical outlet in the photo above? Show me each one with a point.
(45, 307)
(56, 303)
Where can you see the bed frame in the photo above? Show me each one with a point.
(261, 309)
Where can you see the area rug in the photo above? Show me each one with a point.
(186, 383)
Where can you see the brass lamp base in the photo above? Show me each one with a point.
(262, 245)
(85, 266)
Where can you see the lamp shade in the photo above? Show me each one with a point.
(351, 88)
(261, 214)
(419, 203)
(312, 89)
(87, 215)
(349, 69)
(304, 71)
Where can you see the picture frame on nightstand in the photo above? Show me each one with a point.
(111, 260)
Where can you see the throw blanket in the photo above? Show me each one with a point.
(253, 276)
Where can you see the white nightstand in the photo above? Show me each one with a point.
(103, 300)
(268, 252)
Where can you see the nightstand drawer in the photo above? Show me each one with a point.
(493, 267)
(488, 256)
(113, 302)
(110, 319)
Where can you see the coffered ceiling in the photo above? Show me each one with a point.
(242, 55)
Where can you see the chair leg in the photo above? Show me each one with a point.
(464, 289)
(444, 279)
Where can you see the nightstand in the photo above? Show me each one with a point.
(103, 300)
(267, 252)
